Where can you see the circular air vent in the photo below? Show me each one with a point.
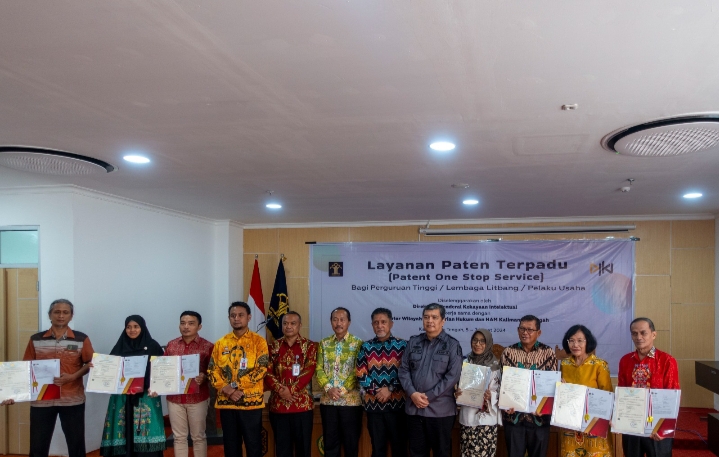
(51, 161)
(666, 137)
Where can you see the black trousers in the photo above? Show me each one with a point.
(293, 432)
(637, 446)
(526, 436)
(42, 425)
(388, 426)
(341, 425)
(240, 426)
(430, 433)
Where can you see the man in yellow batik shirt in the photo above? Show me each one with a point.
(237, 370)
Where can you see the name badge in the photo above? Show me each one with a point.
(243, 363)
(72, 347)
(295, 369)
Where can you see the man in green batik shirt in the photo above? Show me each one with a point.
(340, 404)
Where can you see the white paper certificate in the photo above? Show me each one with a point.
(630, 410)
(599, 405)
(515, 388)
(569, 401)
(663, 411)
(473, 383)
(131, 368)
(165, 375)
(15, 381)
(105, 374)
(44, 373)
(189, 369)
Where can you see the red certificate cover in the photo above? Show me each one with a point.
(665, 428)
(598, 427)
(49, 392)
(134, 386)
(192, 387)
(545, 406)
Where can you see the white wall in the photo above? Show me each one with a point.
(716, 299)
(113, 257)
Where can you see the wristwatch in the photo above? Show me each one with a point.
(233, 384)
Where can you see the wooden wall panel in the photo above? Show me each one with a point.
(384, 234)
(22, 322)
(663, 340)
(652, 251)
(693, 276)
(260, 241)
(693, 396)
(693, 234)
(693, 332)
(653, 299)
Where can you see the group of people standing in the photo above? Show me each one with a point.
(406, 388)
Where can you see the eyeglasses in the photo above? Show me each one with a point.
(526, 330)
(479, 341)
(573, 342)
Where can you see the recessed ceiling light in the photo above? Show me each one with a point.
(693, 195)
(460, 185)
(273, 205)
(136, 159)
(442, 146)
(470, 202)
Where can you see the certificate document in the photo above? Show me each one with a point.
(132, 375)
(43, 374)
(543, 386)
(165, 375)
(514, 393)
(569, 406)
(598, 412)
(15, 381)
(473, 382)
(630, 410)
(189, 370)
(663, 412)
(105, 374)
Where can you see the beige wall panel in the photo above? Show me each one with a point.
(693, 234)
(384, 234)
(268, 269)
(653, 300)
(28, 311)
(3, 348)
(693, 276)
(260, 241)
(693, 396)
(693, 332)
(297, 253)
(663, 341)
(299, 292)
(652, 251)
(27, 283)
(19, 428)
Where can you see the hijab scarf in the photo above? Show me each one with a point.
(142, 345)
(486, 358)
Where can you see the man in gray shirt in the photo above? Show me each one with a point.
(431, 366)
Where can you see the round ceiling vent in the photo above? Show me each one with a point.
(666, 137)
(51, 161)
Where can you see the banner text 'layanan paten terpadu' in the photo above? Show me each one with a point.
(482, 285)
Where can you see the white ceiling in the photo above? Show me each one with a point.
(332, 103)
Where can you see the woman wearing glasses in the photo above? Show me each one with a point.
(585, 368)
(478, 427)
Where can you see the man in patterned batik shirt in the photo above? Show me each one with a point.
(525, 432)
(289, 379)
(649, 368)
(382, 394)
(237, 370)
(340, 404)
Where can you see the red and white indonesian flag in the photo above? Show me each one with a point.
(256, 302)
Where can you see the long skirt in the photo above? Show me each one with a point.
(578, 444)
(479, 441)
(131, 430)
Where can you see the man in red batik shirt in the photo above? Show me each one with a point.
(649, 368)
(293, 360)
(188, 412)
